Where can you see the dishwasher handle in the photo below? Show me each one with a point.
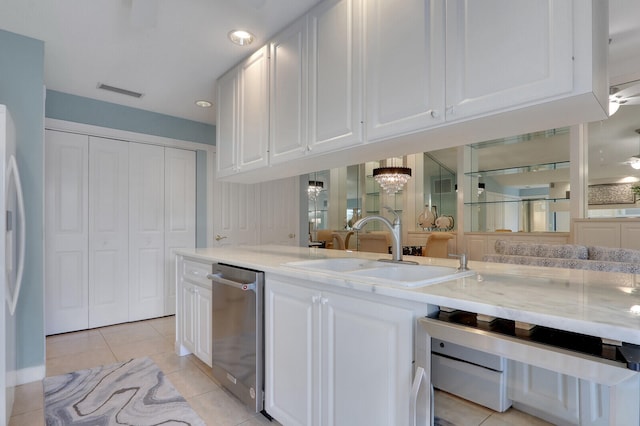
(217, 278)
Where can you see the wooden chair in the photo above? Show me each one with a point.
(325, 235)
(375, 242)
(437, 245)
(347, 240)
(337, 241)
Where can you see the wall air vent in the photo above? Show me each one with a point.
(119, 90)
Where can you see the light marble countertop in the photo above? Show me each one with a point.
(594, 303)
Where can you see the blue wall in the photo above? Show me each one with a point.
(63, 106)
(22, 90)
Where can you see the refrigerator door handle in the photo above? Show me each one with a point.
(12, 169)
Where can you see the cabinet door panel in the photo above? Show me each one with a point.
(335, 88)
(146, 231)
(290, 344)
(404, 68)
(227, 123)
(254, 111)
(487, 71)
(378, 339)
(66, 232)
(549, 395)
(180, 211)
(288, 96)
(203, 329)
(188, 316)
(108, 231)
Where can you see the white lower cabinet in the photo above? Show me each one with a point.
(558, 398)
(193, 322)
(335, 359)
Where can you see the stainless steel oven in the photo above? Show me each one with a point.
(238, 330)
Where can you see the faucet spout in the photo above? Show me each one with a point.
(395, 228)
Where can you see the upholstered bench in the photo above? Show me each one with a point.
(572, 256)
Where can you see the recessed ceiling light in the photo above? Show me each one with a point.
(204, 104)
(241, 37)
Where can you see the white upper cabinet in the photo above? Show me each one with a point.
(227, 123)
(502, 54)
(335, 75)
(243, 116)
(288, 96)
(407, 76)
(404, 67)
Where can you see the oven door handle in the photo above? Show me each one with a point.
(217, 278)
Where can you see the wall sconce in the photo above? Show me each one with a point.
(392, 178)
(480, 188)
(315, 186)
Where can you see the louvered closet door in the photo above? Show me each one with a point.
(180, 210)
(146, 231)
(108, 232)
(66, 239)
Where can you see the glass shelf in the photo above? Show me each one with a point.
(523, 169)
(524, 200)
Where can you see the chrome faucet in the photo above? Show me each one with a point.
(395, 228)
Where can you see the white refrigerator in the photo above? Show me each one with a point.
(12, 245)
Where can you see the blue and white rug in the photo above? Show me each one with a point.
(134, 392)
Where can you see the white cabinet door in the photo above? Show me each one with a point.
(404, 66)
(66, 232)
(544, 393)
(253, 130)
(503, 54)
(108, 232)
(188, 316)
(203, 325)
(180, 214)
(288, 96)
(146, 231)
(335, 84)
(367, 361)
(227, 123)
(280, 211)
(335, 359)
(292, 345)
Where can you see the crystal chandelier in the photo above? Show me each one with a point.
(392, 179)
(315, 186)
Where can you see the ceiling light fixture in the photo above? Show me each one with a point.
(315, 186)
(392, 178)
(241, 37)
(204, 104)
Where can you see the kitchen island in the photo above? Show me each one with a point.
(597, 304)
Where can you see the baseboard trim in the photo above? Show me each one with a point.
(30, 374)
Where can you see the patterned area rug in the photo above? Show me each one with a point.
(135, 392)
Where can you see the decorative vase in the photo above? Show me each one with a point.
(427, 218)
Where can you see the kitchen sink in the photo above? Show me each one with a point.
(379, 272)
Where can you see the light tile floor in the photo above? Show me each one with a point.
(191, 377)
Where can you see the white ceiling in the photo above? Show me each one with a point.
(172, 51)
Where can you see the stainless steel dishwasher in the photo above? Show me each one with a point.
(237, 329)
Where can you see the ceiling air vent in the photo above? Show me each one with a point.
(119, 90)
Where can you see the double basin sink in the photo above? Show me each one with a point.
(381, 272)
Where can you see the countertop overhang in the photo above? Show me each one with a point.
(601, 304)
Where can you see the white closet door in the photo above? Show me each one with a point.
(146, 231)
(236, 214)
(279, 211)
(66, 232)
(108, 232)
(180, 210)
